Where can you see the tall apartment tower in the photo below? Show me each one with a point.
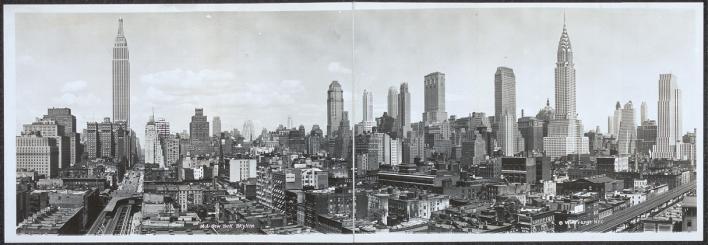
(404, 108)
(565, 131)
(121, 78)
(199, 126)
(335, 107)
(505, 109)
(627, 137)
(216, 126)
(669, 118)
(368, 104)
(434, 98)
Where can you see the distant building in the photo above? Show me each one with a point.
(368, 106)
(121, 78)
(646, 137)
(627, 133)
(105, 135)
(241, 169)
(404, 109)
(64, 118)
(669, 118)
(50, 129)
(153, 146)
(335, 108)
(216, 124)
(531, 130)
(565, 131)
(171, 149)
(38, 153)
(392, 104)
(199, 126)
(505, 109)
(434, 84)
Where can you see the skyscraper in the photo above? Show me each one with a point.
(404, 108)
(199, 126)
(610, 125)
(505, 108)
(163, 128)
(646, 136)
(368, 105)
(48, 128)
(565, 131)
(393, 102)
(616, 119)
(627, 132)
(335, 107)
(121, 78)
(153, 148)
(64, 118)
(248, 131)
(434, 98)
(669, 117)
(216, 124)
(643, 111)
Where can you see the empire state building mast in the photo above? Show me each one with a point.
(565, 131)
(121, 78)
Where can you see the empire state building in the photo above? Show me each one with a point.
(565, 130)
(121, 78)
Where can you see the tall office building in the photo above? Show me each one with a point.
(153, 148)
(335, 107)
(627, 134)
(163, 128)
(121, 78)
(434, 98)
(105, 135)
(38, 153)
(171, 149)
(199, 126)
(216, 124)
(393, 102)
(610, 125)
(249, 132)
(565, 131)
(505, 109)
(64, 118)
(368, 105)
(669, 117)
(643, 111)
(404, 108)
(616, 119)
(531, 130)
(48, 128)
(646, 137)
(92, 143)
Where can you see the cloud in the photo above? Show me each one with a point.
(336, 67)
(215, 88)
(74, 86)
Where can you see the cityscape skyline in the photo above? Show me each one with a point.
(244, 123)
(235, 120)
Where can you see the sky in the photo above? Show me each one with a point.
(266, 66)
